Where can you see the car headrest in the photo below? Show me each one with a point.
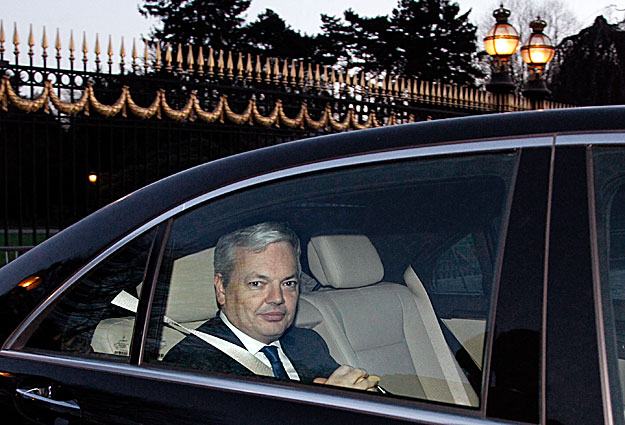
(344, 261)
(191, 290)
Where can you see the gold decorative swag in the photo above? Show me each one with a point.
(190, 111)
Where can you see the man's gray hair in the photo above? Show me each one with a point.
(254, 238)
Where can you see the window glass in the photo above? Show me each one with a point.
(458, 297)
(457, 270)
(374, 242)
(609, 174)
(86, 320)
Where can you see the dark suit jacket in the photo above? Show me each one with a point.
(306, 350)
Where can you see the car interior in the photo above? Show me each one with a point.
(400, 322)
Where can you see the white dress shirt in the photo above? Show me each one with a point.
(254, 347)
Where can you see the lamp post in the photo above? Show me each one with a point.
(501, 42)
(536, 53)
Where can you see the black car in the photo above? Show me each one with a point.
(476, 265)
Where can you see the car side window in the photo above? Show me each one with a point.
(609, 176)
(86, 321)
(372, 239)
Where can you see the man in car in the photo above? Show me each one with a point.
(257, 273)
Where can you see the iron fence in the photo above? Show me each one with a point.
(9, 253)
(77, 134)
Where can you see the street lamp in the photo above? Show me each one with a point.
(536, 53)
(501, 42)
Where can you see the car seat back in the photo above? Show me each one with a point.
(379, 326)
(190, 302)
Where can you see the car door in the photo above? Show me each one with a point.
(585, 317)
(81, 358)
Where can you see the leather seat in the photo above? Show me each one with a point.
(191, 299)
(190, 302)
(386, 328)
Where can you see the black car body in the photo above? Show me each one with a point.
(502, 245)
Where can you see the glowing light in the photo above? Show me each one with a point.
(502, 39)
(538, 49)
(93, 177)
(30, 283)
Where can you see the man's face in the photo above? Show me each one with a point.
(261, 297)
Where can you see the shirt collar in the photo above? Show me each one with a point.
(252, 345)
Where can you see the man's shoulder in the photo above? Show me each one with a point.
(191, 342)
(293, 330)
(212, 324)
(301, 336)
(194, 353)
(308, 352)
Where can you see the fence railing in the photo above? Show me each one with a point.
(82, 128)
(203, 64)
(9, 253)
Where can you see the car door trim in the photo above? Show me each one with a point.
(342, 401)
(496, 279)
(142, 320)
(542, 402)
(30, 394)
(591, 138)
(599, 312)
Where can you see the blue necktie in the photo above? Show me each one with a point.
(276, 365)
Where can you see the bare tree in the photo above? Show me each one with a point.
(561, 23)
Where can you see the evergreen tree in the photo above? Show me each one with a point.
(424, 39)
(213, 23)
(334, 42)
(589, 67)
(270, 35)
(433, 42)
(356, 41)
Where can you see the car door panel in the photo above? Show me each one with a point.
(133, 395)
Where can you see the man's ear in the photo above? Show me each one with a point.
(220, 290)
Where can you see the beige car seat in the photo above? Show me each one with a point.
(383, 327)
(190, 302)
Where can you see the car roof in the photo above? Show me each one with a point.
(81, 241)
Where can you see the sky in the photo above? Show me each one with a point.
(121, 19)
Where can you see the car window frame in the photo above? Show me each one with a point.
(610, 378)
(447, 149)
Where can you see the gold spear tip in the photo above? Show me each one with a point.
(85, 49)
(44, 39)
(57, 43)
(31, 38)
(16, 37)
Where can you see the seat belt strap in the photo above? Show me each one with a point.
(242, 356)
(446, 362)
